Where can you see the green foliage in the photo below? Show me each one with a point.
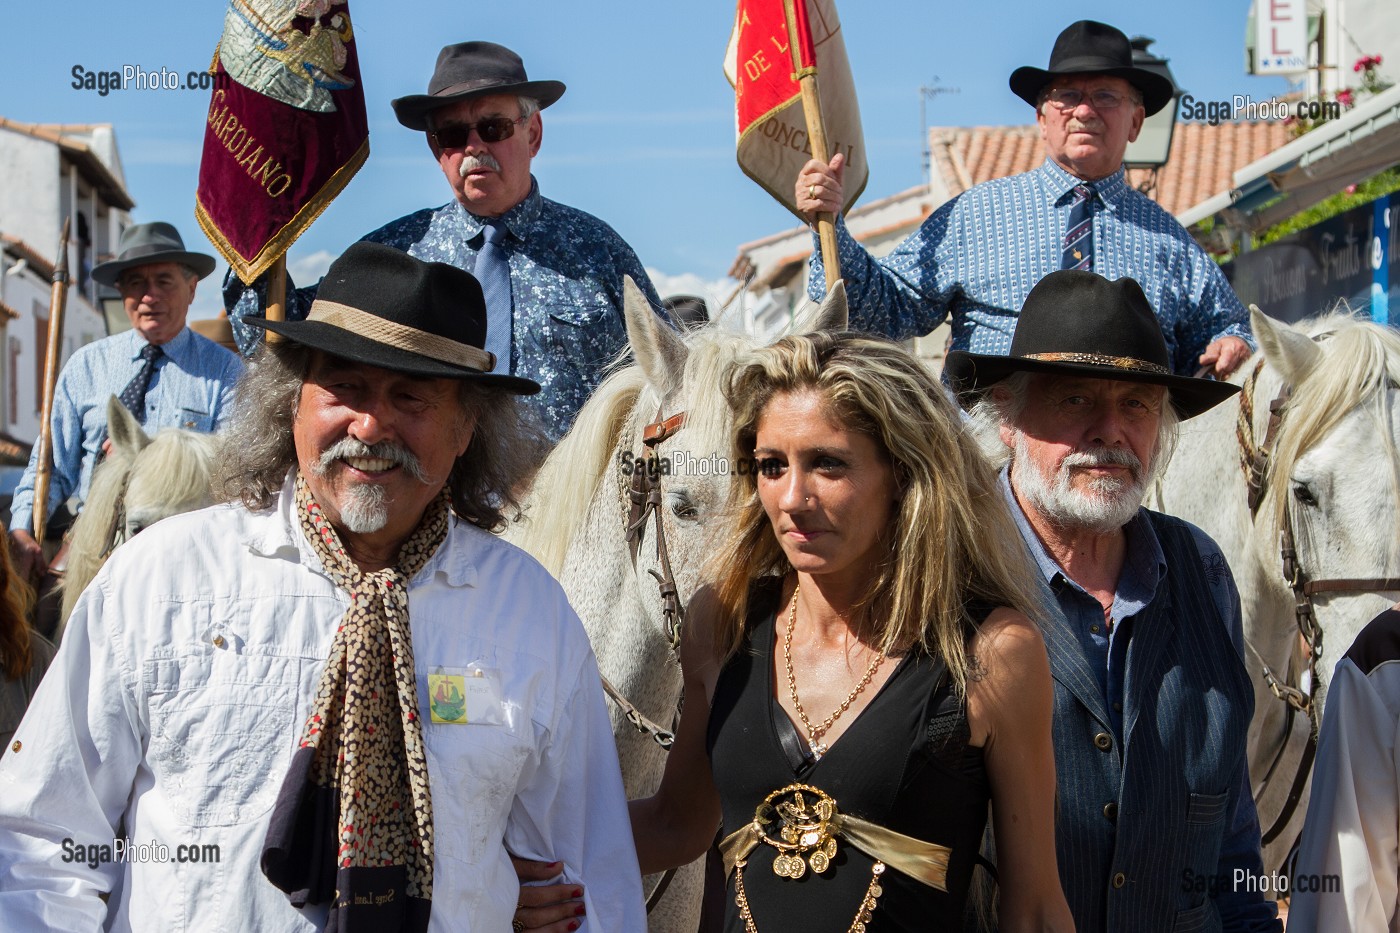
(1339, 203)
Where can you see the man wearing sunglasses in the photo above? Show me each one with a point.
(552, 274)
(977, 257)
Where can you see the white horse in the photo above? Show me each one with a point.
(140, 482)
(577, 517)
(1334, 471)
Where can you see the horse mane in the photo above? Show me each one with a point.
(563, 489)
(1360, 363)
(167, 476)
(172, 475)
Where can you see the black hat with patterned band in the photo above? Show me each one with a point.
(380, 306)
(1080, 324)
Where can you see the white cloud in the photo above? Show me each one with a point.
(714, 291)
(307, 269)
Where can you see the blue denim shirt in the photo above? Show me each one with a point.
(192, 388)
(979, 255)
(566, 270)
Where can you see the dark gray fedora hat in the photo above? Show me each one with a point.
(473, 69)
(1089, 47)
(144, 244)
(1081, 324)
(380, 306)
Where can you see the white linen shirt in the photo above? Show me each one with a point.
(188, 669)
(1348, 871)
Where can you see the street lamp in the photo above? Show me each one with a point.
(1154, 142)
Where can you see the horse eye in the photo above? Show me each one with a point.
(684, 508)
(1304, 494)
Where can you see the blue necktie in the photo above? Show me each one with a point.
(493, 272)
(1079, 232)
(134, 395)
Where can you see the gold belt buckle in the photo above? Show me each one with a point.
(805, 837)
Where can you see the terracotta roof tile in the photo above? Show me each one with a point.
(1203, 157)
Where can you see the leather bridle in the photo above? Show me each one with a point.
(1254, 461)
(645, 500)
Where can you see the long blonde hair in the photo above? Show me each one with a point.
(952, 539)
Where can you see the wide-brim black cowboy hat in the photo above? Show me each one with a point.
(144, 244)
(473, 69)
(1088, 47)
(1080, 324)
(380, 306)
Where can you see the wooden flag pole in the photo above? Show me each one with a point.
(816, 134)
(58, 301)
(276, 295)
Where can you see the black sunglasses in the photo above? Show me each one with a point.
(491, 130)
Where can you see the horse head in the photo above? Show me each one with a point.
(141, 481)
(1311, 448)
(1332, 478)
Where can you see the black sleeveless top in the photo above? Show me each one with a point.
(904, 764)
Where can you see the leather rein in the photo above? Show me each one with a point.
(1254, 461)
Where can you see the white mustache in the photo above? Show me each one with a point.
(394, 452)
(471, 163)
(1104, 456)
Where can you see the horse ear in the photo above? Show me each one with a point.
(833, 313)
(659, 350)
(1292, 353)
(123, 429)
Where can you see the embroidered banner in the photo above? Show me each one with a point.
(772, 130)
(286, 129)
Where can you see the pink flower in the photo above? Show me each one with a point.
(1351, 189)
(1360, 63)
(1345, 97)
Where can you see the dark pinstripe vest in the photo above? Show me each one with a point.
(1138, 828)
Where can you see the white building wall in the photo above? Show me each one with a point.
(30, 194)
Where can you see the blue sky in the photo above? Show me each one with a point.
(644, 137)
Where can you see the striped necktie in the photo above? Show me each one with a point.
(1079, 232)
(493, 272)
(134, 395)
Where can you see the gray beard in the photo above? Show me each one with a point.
(1107, 505)
(366, 509)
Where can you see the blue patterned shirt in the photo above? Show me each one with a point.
(192, 388)
(566, 270)
(979, 255)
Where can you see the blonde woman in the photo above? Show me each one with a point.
(871, 678)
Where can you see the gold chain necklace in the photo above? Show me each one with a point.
(815, 733)
(867, 904)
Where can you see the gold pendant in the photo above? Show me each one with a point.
(819, 861)
(796, 867)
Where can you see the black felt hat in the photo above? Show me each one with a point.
(144, 244)
(379, 305)
(473, 69)
(1080, 324)
(1087, 47)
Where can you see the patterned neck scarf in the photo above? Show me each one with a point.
(353, 823)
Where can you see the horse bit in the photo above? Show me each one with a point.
(1254, 461)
